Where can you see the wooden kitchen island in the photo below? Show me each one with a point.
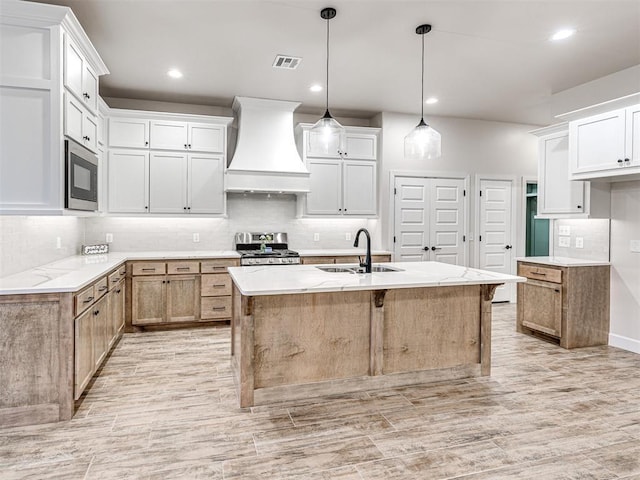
(299, 332)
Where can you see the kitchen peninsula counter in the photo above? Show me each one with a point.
(299, 332)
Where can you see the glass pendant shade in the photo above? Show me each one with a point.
(328, 134)
(422, 143)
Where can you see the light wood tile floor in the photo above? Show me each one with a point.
(164, 407)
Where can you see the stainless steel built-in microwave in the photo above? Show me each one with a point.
(81, 173)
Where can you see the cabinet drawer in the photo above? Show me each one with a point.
(114, 278)
(122, 270)
(215, 307)
(149, 268)
(213, 285)
(100, 287)
(317, 260)
(82, 300)
(183, 267)
(540, 273)
(217, 266)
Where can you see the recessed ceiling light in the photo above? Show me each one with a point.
(174, 73)
(431, 100)
(315, 88)
(562, 34)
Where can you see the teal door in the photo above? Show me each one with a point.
(537, 235)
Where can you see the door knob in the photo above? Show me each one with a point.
(435, 248)
(426, 249)
(508, 247)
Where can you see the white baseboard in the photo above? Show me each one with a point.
(625, 343)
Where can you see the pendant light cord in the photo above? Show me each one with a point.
(327, 96)
(422, 89)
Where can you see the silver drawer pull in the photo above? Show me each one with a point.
(115, 280)
(218, 268)
(148, 269)
(183, 268)
(89, 299)
(218, 309)
(103, 288)
(539, 273)
(219, 285)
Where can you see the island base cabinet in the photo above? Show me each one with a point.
(295, 346)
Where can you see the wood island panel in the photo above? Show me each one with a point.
(287, 345)
(295, 346)
(426, 328)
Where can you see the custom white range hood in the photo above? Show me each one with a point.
(266, 158)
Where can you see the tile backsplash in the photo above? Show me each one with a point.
(593, 233)
(27, 242)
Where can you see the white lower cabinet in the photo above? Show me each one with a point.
(165, 182)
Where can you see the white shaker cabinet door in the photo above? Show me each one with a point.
(597, 143)
(359, 188)
(73, 115)
(168, 183)
(128, 181)
(128, 132)
(90, 89)
(325, 185)
(361, 146)
(73, 65)
(168, 135)
(206, 184)
(558, 194)
(632, 148)
(206, 138)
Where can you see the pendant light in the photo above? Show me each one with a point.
(423, 142)
(327, 130)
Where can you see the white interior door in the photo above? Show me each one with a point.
(446, 224)
(429, 220)
(411, 224)
(495, 242)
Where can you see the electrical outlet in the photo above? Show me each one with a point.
(347, 236)
(316, 237)
(58, 242)
(196, 237)
(634, 246)
(579, 242)
(109, 237)
(564, 241)
(564, 230)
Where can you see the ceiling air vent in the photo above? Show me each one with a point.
(287, 62)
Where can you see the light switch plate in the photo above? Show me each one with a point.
(316, 237)
(564, 230)
(109, 237)
(564, 241)
(579, 242)
(634, 246)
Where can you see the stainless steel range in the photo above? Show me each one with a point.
(265, 249)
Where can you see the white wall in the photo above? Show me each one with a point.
(27, 242)
(468, 146)
(594, 234)
(625, 266)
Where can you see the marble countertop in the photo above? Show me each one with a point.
(563, 261)
(293, 279)
(73, 273)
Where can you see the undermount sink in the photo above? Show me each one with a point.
(356, 269)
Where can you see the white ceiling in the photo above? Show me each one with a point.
(484, 59)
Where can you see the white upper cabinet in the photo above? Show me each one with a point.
(606, 145)
(185, 163)
(79, 77)
(354, 145)
(558, 196)
(79, 124)
(128, 132)
(201, 137)
(343, 179)
(47, 64)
